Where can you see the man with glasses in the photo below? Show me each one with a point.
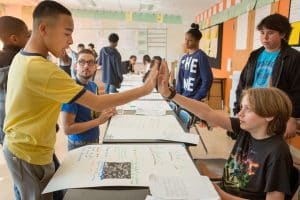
(80, 123)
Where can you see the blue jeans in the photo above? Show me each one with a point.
(110, 88)
(76, 144)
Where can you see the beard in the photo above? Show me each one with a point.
(86, 77)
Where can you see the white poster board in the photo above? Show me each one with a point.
(145, 128)
(242, 32)
(260, 13)
(120, 165)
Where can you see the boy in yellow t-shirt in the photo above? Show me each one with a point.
(36, 90)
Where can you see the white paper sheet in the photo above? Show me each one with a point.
(187, 188)
(260, 13)
(146, 105)
(133, 127)
(152, 96)
(150, 112)
(294, 11)
(149, 197)
(120, 165)
(241, 32)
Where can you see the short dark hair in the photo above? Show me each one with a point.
(146, 58)
(195, 32)
(86, 51)
(278, 23)
(158, 58)
(80, 45)
(91, 45)
(49, 8)
(113, 38)
(132, 56)
(11, 26)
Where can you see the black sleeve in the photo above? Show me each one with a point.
(294, 84)
(235, 124)
(278, 173)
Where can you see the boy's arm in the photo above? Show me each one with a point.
(202, 110)
(99, 103)
(71, 127)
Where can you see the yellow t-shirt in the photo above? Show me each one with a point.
(36, 90)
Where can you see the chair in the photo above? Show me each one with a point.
(173, 106)
(213, 168)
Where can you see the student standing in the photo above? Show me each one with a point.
(275, 64)
(110, 61)
(14, 35)
(195, 76)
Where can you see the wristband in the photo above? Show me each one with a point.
(173, 93)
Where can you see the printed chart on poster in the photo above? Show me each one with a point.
(120, 165)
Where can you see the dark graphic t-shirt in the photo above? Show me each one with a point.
(256, 167)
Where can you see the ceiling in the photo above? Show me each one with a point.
(187, 9)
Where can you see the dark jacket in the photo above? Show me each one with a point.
(285, 76)
(127, 67)
(110, 60)
(6, 57)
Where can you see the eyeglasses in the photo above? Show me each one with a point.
(83, 62)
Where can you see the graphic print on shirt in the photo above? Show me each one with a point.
(239, 168)
(190, 65)
(264, 69)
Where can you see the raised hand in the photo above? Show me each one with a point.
(151, 80)
(163, 79)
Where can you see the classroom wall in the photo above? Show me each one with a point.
(239, 57)
(236, 59)
(87, 29)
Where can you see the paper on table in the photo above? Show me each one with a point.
(152, 96)
(182, 137)
(167, 187)
(150, 112)
(148, 128)
(120, 165)
(185, 187)
(146, 105)
(149, 197)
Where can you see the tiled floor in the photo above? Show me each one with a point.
(217, 142)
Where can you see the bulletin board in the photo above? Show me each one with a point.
(211, 44)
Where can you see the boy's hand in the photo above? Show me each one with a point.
(151, 80)
(105, 115)
(163, 79)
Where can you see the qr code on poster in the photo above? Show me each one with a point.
(119, 170)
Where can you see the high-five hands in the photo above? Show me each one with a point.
(151, 80)
(163, 79)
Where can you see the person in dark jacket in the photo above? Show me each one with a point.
(110, 60)
(128, 65)
(14, 35)
(275, 64)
